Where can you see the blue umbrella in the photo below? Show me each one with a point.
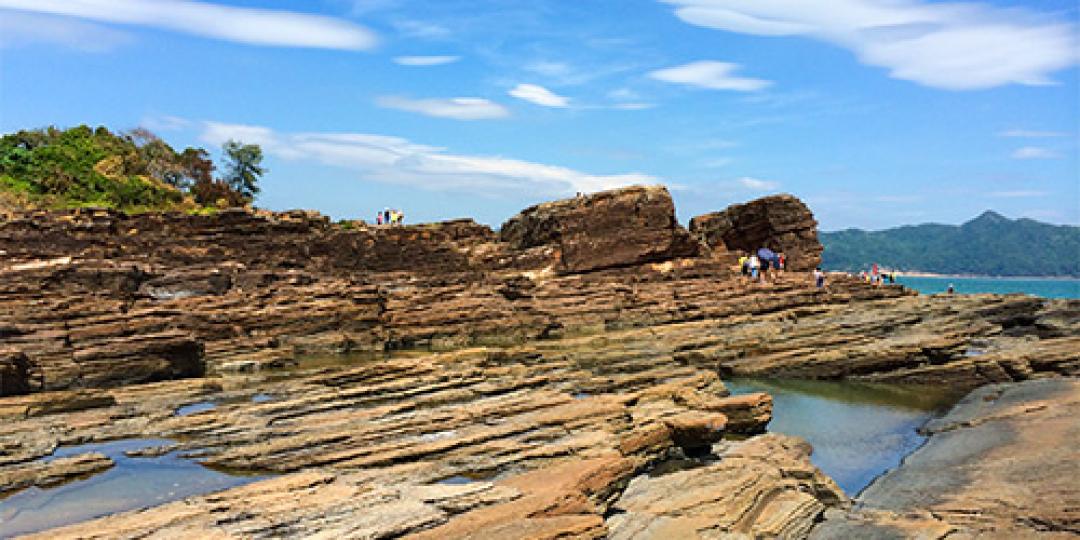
(767, 254)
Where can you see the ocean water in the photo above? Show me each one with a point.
(1047, 288)
(858, 430)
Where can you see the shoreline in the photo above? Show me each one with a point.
(916, 274)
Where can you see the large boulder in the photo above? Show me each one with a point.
(609, 229)
(781, 223)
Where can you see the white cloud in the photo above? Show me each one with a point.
(1016, 194)
(950, 45)
(424, 61)
(539, 95)
(1031, 134)
(709, 74)
(564, 74)
(243, 25)
(458, 108)
(166, 123)
(1034, 152)
(19, 28)
(624, 94)
(400, 161)
(633, 106)
(758, 184)
(421, 29)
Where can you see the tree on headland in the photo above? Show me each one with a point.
(243, 168)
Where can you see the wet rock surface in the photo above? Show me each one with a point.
(1001, 464)
(445, 381)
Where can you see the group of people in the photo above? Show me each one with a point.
(390, 217)
(757, 267)
(877, 277)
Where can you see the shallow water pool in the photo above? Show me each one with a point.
(858, 431)
(134, 482)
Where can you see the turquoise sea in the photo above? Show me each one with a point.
(1048, 288)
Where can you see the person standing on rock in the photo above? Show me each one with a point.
(744, 265)
(378, 218)
(819, 278)
(781, 261)
(755, 267)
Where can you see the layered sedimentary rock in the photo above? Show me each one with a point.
(605, 230)
(519, 384)
(487, 442)
(781, 223)
(760, 488)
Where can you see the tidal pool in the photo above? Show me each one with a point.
(134, 482)
(858, 431)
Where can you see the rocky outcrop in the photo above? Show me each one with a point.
(544, 438)
(781, 223)
(609, 229)
(764, 487)
(492, 386)
(114, 299)
(1001, 464)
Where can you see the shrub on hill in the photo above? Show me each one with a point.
(134, 171)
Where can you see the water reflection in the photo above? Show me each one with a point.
(858, 430)
(134, 482)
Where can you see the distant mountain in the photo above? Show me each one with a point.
(990, 244)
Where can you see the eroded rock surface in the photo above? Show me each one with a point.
(608, 229)
(781, 223)
(764, 487)
(1002, 464)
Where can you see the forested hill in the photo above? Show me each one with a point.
(990, 244)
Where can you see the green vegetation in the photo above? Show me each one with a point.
(990, 245)
(134, 171)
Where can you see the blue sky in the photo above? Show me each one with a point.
(876, 112)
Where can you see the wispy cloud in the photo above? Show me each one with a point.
(24, 28)
(421, 29)
(950, 45)
(1018, 194)
(633, 106)
(397, 160)
(242, 25)
(757, 184)
(1034, 152)
(1031, 134)
(424, 61)
(166, 123)
(561, 73)
(458, 108)
(538, 95)
(628, 100)
(709, 74)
